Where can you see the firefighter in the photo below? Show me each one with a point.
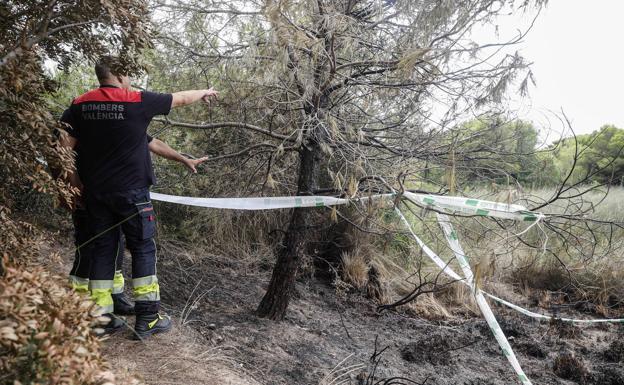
(108, 128)
(79, 274)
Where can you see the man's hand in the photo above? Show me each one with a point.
(184, 98)
(161, 148)
(210, 95)
(192, 164)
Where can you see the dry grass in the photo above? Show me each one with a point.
(354, 269)
(341, 373)
(596, 286)
(225, 232)
(432, 307)
(178, 357)
(570, 367)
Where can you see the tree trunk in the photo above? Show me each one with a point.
(289, 256)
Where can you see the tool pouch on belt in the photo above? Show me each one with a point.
(147, 219)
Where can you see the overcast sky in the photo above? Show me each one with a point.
(577, 50)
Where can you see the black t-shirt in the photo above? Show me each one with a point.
(110, 125)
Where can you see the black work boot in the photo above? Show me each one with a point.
(113, 325)
(122, 305)
(148, 324)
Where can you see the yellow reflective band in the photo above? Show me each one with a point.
(151, 324)
(103, 298)
(80, 285)
(118, 282)
(80, 288)
(149, 292)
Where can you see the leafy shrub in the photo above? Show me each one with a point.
(46, 331)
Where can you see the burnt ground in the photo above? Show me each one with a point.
(330, 339)
(322, 329)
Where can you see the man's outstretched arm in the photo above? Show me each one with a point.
(161, 148)
(184, 98)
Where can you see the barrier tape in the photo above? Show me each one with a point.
(430, 253)
(451, 236)
(443, 203)
(547, 317)
(453, 241)
(476, 207)
(454, 203)
(265, 203)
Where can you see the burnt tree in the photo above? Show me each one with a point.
(328, 93)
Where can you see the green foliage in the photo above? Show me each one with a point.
(45, 329)
(498, 150)
(70, 83)
(596, 158)
(61, 31)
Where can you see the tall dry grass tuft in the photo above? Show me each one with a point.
(459, 298)
(595, 286)
(390, 267)
(354, 269)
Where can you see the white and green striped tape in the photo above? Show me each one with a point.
(452, 238)
(547, 317)
(453, 241)
(448, 204)
(260, 203)
(443, 204)
(476, 207)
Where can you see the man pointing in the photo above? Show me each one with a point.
(79, 273)
(109, 132)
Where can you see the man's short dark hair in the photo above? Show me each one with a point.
(106, 67)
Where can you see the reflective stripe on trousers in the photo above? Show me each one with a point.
(118, 282)
(146, 288)
(101, 293)
(80, 285)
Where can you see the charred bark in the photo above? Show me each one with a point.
(290, 254)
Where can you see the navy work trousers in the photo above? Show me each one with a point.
(79, 274)
(133, 212)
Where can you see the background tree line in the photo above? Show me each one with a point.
(523, 161)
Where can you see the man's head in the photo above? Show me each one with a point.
(108, 71)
